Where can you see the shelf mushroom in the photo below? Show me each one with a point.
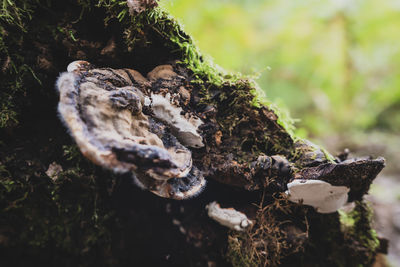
(120, 122)
(323, 196)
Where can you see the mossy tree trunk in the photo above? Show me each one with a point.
(57, 208)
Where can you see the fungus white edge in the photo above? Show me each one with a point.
(229, 217)
(187, 128)
(321, 195)
(193, 192)
(75, 65)
(70, 117)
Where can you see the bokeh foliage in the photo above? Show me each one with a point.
(333, 64)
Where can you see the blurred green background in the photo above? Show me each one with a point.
(334, 64)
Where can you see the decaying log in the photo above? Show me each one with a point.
(150, 110)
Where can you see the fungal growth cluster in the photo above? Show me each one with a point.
(120, 122)
(170, 134)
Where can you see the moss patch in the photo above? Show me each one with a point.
(357, 224)
(280, 230)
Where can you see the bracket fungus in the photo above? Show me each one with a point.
(323, 196)
(120, 123)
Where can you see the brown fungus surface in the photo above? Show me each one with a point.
(120, 123)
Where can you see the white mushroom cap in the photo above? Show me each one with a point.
(323, 196)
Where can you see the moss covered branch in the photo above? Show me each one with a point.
(59, 208)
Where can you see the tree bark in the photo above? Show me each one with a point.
(60, 209)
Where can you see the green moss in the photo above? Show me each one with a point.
(277, 233)
(341, 239)
(328, 155)
(284, 118)
(8, 116)
(72, 152)
(67, 216)
(358, 223)
(14, 82)
(15, 12)
(14, 20)
(359, 235)
(347, 221)
(236, 256)
(204, 70)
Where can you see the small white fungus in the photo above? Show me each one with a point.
(229, 217)
(323, 196)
